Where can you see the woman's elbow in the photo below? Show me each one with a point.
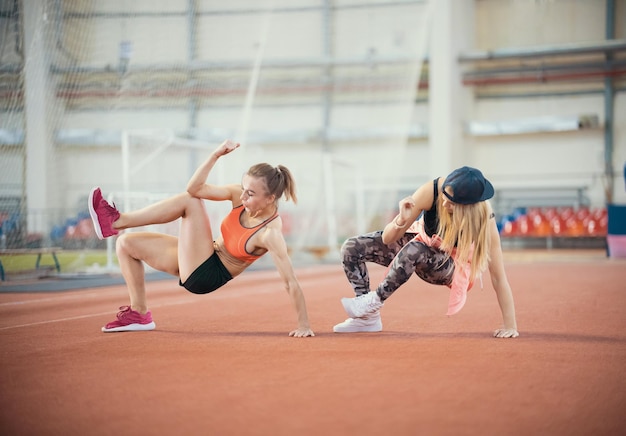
(193, 190)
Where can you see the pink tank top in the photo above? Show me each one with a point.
(461, 281)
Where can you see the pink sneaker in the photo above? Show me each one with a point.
(129, 320)
(102, 214)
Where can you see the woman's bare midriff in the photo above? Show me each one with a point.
(232, 264)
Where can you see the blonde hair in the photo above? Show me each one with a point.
(278, 180)
(466, 229)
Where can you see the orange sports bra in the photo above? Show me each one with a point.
(236, 236)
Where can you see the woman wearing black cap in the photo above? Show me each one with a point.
(454, 239)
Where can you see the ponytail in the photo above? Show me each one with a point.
(279, 180)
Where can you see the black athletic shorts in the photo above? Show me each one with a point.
(208, 277)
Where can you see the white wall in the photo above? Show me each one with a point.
(505, 24)
(542, 159)
(549, 159)
(290, 100)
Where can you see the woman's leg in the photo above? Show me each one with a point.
(177, 256)
(161, 212)
(358, 250)
(195, 240)
(430, 264)
(133, 249)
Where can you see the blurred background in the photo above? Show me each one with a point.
(364, 100)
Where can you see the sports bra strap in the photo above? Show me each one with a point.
(435, 191)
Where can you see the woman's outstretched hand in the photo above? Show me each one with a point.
(505, 333)
(226, 147)
(301, 333)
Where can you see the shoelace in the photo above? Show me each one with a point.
(110, 210)
(365, 302)
(123, 313)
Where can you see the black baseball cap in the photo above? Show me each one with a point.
(469, 186)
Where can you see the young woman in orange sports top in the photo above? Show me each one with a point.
(203, 264)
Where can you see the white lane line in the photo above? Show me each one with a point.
(254, 277)
(56, 298)
(91, 315)
(54, 320)
(174, 303)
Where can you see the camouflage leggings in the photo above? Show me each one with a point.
(405, 256)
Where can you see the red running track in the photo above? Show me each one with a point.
(223, 364)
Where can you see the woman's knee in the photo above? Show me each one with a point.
(193, 205)
(348, 248)
(417, 248)
(191, 200)
(352, 250)
(123, 244)
(412, 255)
(361, 244)
(186, 200)
(430, 264)
(129, 244)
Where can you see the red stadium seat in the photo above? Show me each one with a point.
(574, 227)
(557, 226)
(541, 226)
(510, 228)
(524, 225)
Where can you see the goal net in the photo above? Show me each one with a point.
(133, 96)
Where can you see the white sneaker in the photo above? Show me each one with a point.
(372, 323)
(362, 305)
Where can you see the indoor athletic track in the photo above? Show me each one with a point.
(223, 364)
